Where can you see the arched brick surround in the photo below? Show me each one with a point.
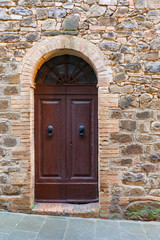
(32, 61)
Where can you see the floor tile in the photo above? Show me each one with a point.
(131, 236)
(52, 229)
(22, 235)
(152, 231)
(80, 230)
(131, 227)
(3, 236)
(107, 230)
(31, 223)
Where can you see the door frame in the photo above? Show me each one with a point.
(32, 61)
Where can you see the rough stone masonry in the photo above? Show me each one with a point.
(127, 32)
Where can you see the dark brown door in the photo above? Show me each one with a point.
(66, 161)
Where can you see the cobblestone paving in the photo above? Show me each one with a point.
(16, 226)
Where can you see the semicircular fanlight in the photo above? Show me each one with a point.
(66, 69)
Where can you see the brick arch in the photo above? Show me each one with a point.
(54, 46)
(31, 62)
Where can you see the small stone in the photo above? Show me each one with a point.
(128, 125)
(133, 149)
(152, 56)
(155, 158)
(56, 13)
(132, 67)
(121, 11)
(154, 4)
(107, 21)
(30, 2)
(6, 3)
(21, 11)
(142, 46)
(31, 37)
(3, 179)
(9, 38)
(10, 142)
(108, 2)
(145, 99)
(10, 116)
(153, 67)
(127, 25)
(149, 167)
(28, 22)
(109, 35)
(11, 79)
(3, 127)
(133, 191)
(117, 114)
(3, 51)
(145, 138)
(2, 153)
(127, 101)
(11, 190)
(10, 90)
(109, 45)
(155, 125)
(42, 13)
(120, 138)
(4, 104)
(140, 4)
(130, 178)
(71, 23)
(126, 161)
(125, 89)
(154, 104)
(121, 77)
(144, 115)
(155, 44)
(96, 11)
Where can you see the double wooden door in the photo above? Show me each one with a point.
(66, 144)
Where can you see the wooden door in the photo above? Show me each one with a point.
(66, 161)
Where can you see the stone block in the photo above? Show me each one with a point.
(127, 101)
(10, 142)
(109, 45)
(127, 25)
(108, 2)
(153, 67)
(133, 191)
(120, 138)
(9, 38)
(133, 149)
(11, 190)
(153, 4)
(9, 90)
(149, 167)
(107, 21)
(117, 114)
(21, 11)
(4, 104)
(56, 13)
(154, 104)
(71, 23)
(130, 178)
(42, 13)
(3, 127)
(4, 15)
(30, 2)
(96, 11)
(128, 125)
(145, 99)
(155, 158)
(117, 89)
(132, 67)
(140, 4)
(31, 37)
(28, 22)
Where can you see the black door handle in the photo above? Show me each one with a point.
(49, 131)
(81, 131)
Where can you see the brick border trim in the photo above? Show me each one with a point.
(32, 61)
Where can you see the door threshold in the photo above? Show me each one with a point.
(89, 210)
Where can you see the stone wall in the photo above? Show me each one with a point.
(128, 34)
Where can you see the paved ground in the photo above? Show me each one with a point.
(34, 227)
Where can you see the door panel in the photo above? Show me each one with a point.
(50, 150)
(80, 112)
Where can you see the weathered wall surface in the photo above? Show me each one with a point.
(128, 34)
